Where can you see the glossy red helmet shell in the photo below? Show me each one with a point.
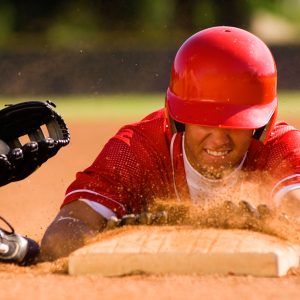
(223, 76)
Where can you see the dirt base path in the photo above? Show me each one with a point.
(30, 205)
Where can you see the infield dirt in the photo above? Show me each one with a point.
(30, 205)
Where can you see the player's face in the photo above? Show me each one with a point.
(213, 151)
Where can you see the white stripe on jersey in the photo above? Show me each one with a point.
(172, 162)
(99, 208)
(97, 194)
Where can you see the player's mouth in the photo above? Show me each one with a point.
(217, 153)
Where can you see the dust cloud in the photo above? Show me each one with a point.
(230, 215)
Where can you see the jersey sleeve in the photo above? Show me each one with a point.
(286, 152)
(125, 176)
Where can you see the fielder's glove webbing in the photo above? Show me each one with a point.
(15, 248)
(30, 133)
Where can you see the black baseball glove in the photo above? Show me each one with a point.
(30, 133)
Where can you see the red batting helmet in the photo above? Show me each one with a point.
(223, 76)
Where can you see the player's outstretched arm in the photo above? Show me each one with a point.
(74, 224)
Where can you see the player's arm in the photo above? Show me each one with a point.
(113, 184)
(74, 224)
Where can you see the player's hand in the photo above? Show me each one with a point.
(30, 133)
(252, 216)
(242, 215)
(145, 218)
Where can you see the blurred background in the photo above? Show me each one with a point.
(57, 47)
(106, 63)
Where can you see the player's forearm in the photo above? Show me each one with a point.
(64, 236)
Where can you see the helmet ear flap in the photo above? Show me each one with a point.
(176, 126)
(259, 133)
(263, 133)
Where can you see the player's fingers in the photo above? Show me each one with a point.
(230, 207)
(112, 223)
(247, 208)
(225, 215)
(264, 211)
(130, 219)
(161, 218)
(145, 218)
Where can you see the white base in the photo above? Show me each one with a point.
(182, 250)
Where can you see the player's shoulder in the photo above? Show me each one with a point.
(157, 115)
(151, 128)
(282, 130)
(283, 142)
(151, 124)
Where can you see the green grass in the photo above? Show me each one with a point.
(132, 107)
(289, 105)
(129, 107)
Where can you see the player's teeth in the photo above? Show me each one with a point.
(216, 153)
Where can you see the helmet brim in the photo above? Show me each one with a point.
(216, 114)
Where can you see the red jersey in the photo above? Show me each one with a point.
(144, 161)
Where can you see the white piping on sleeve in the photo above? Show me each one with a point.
(97, 194)
(99, 208)
(281, 193)
(172, 163)
(284, 179)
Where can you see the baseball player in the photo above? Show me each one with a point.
(215, 139)
(18, 160)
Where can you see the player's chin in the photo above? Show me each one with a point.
(217, 169)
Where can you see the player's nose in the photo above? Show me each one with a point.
(219, 137)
